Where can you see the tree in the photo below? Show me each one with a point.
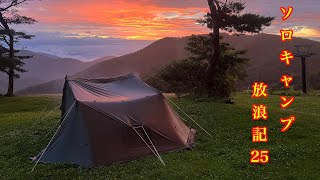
(228, 16)
(6, 63)
(179, 77)
(187, 76)
(8, 15)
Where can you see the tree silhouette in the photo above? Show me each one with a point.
(304, 52)
(8, 15)
(228, 16)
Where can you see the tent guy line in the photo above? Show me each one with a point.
(54, 126)
(155, 152)
(54, 135)
(41, 114)
(47, 114)
(189, 116)
(153, 146)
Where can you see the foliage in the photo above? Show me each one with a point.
(287, 92)
(214, 67)
(189, 75)
(16, 63)
(228, 16)
(180, 77)
(10, 64)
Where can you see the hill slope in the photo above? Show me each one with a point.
(43, 68)
(143, 62)
(263, 51)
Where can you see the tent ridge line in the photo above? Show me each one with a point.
(95, 90)
(120, 77)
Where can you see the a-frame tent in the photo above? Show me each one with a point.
(106, 121)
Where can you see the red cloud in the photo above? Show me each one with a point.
(140, 19)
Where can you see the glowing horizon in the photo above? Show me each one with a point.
(151, 19)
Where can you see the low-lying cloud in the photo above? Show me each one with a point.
(85, 49)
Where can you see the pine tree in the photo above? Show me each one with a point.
(229, 16)
(9, 62)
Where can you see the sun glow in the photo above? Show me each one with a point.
(119, 19)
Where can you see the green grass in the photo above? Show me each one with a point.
(293, 155)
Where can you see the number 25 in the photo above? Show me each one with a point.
(259, 156)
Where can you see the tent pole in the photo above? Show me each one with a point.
(53, 136)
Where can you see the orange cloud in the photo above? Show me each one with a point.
(122, 19)
(151, 19)
(305, 31)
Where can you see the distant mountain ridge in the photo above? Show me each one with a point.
(143, 62)
(263, 51)
(44, 67)
(48, 55)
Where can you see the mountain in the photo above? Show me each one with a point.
(102, 59)
(48, 55)
(143, 62)
(263, 51)
(43, 68)
(51, 87)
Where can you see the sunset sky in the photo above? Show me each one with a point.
(122, 22)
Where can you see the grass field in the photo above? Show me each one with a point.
(293, 155)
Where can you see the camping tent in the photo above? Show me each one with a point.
(105, 121)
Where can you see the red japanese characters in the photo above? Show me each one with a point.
(287, 123)
(259, 90)
(286, 12)
(286, 35)
(259, 112)
(286, 80)
(259, 133)
(286, 57)
(286, 102)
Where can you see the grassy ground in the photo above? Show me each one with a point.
(294, 154)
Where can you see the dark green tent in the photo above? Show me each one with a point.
(114, 120)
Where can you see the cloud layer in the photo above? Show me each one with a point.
(85, 49)
(87, 29)
(151, 19)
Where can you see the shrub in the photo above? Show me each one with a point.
(190, 76)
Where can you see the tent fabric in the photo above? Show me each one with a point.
(112, 120)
